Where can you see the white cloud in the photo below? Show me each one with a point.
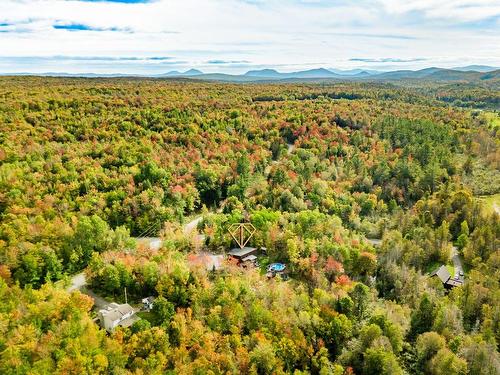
(454, 10)
(305, 33)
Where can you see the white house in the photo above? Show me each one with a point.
(116, 315)
(147, 303)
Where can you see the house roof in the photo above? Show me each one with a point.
(249, 258)
(129, 321)
(454, 282)
(117, 312)
(442, 273)
(241, 253)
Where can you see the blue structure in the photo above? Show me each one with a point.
(276, 267)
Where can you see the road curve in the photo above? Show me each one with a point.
(189, 227)
(79, 281)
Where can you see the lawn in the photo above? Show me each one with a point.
(493, 119)
(146, 315)
(435, 265)
(451, 269)
(491, 201)
(264, 261)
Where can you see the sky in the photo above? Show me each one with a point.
(234, 36)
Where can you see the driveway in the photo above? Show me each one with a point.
(192, 225)
(79, 282)
(375, 241)
(99, 302)
(457, 264)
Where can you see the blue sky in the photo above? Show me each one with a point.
(233, 36)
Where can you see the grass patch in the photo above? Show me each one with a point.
(484, 180)
(147, 315)
(491, 201)
(433, 266)
(264, 261)
(493, 119)
(451, 269)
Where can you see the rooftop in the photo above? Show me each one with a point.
(442, 273)
(249, 258)
(116, 312)
(240, 253)
(454, 282)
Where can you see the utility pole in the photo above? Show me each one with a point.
(125, 289)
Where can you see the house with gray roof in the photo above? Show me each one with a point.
(241, 253)
(117, 315)
(444, 275)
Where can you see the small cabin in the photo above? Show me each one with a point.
(243, 254)
(444, 275)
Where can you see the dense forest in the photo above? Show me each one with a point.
(361, 189)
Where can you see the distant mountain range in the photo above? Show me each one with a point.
(188, 73)
(476, 68)
(265, 75)
(467, 73)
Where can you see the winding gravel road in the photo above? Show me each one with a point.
(189, 227)
(79, 282)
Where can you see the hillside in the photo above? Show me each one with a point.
(484, 75)
(372, 250)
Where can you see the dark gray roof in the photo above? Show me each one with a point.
(454, 282)
(239, 253)
(442, 273)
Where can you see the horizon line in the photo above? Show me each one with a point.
(183, 72)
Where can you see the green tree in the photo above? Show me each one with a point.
(92, 234)
(422, 319)
(209, 186)
(381, 362)
(360, 296)
(427, 346)
(263, 358)
(29, 271)
(111, 280)
(163, 311)
(463, 238)
(140, 325)
(446, 362)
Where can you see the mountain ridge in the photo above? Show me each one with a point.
(310, 75)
